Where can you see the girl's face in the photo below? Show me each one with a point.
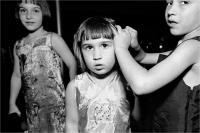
(98, 55)
(183, 16)
(30, 16)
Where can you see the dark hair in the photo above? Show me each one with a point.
(91, 28)
(43, 5)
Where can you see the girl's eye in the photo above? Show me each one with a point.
(22, 10)
(88, 47)
(169, 2)
(184, 2)
(104, 45)
(36, 10)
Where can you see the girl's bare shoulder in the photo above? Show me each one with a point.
(190, 47)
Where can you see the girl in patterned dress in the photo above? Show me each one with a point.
(177, 74)
(37, 69)
(96, 99)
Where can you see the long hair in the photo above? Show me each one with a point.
(91, 28)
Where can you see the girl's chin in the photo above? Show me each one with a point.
(100, 73)
(175, 32)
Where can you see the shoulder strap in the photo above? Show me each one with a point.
(49, 39)
(196, 38)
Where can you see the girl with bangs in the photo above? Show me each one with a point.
(96, 99)
(38, 70)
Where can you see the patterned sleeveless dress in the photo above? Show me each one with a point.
(102, 110)
(178, 106)
(43, 87)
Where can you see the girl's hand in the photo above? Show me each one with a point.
(122, 37)
(134, 41)
(14, 109)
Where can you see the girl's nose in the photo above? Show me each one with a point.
(97, 54)
(29, 15)
(172, 9)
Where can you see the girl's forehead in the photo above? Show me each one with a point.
(97, 41)
(28, 5)
(28, 2)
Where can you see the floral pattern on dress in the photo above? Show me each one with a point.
(43, 87)
(102, 110)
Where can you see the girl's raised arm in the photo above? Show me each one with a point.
(144, 81)
(142, 56)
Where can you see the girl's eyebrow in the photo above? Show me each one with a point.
(100, 42)
(37, 7)
(106, 41)
(85, 44)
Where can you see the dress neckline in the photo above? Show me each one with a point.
(110, 80)
(26, 41)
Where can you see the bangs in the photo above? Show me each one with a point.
(42, 3)
(96, 29)
(30, 1)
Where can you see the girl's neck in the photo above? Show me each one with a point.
(102, 80)
(192, 34)
(36, 34)
(102, 76)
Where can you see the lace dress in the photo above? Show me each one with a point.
(43, 88)
(102, 110)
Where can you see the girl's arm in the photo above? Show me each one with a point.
(136, 110)
(144, 81)
(151, 58)
(142, 56)
(71, 109)
(63, 50)
(15, 85)
(147, 58)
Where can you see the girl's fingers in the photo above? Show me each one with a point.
(114, 29)
(119, 29)
(131, 30)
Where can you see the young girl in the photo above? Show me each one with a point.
(179, 108)
(96, 99)
(37, 67)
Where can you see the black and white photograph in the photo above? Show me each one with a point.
(100, 66)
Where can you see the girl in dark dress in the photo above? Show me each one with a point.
(178, 74)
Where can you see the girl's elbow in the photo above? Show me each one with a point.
(139, 91)
(140, 88)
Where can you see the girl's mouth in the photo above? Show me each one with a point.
(98, 66)
(29, 23)
(171, 23)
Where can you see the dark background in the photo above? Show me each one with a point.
(147, 17)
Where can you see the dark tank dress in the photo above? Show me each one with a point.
(178, 106)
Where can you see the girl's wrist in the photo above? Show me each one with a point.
(141, 55)
(121, 49)
(138, 48)
(12, 103)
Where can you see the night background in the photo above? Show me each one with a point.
(147, 17)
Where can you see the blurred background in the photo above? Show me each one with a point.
(146, 16)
